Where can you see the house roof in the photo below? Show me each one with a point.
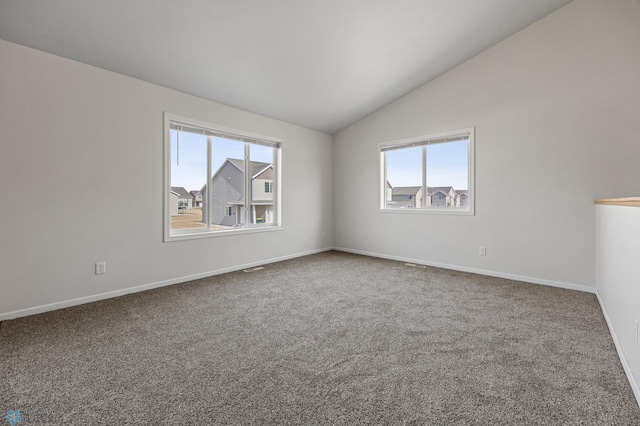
(182, 193)
(405, 190)
(443, 189)
(195, 193)
(256, 166)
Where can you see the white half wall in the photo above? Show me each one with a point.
(618, 281)
(81, 167)
(554, 108)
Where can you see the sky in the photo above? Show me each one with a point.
(189, 162)
(447, 165)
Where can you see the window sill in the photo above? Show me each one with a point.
(215, 234)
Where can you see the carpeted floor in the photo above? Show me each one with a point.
(332, 338)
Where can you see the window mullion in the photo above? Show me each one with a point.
(247, 185)
(209, 181)
(384, 181)
(424, 177)
(276, 181)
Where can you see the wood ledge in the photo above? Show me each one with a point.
(629, 201)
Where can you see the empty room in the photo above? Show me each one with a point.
(339, 212)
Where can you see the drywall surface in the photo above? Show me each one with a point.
(553, 107)
(82, 170)
(618, 278)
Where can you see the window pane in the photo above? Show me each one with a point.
(263, 177)
(448, 174)
(188, 175)
(217, 180)
(434, 174)
(227, 185)
(404, 178)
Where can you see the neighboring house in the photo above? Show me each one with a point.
(442, 196)
(388, 193)
(185, 200)
(262, 193)
(405, 197)
(197, 198)
(227, 184)
(463, 197)
(438, 199)
(174, 201)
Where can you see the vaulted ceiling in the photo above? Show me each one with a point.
(318, 64)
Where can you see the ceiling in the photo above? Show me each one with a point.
(318, 64)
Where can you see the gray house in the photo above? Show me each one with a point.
(463, 198)
(174, 199)
(197, 198)
(185, 200)
(442, 196)
(405, 197)
(408, 197)
(227, 185)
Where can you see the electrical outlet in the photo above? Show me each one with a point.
(635, 331)
(101, 268)
(482, 251)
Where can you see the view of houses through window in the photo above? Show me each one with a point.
(429, 173)
(219, 180)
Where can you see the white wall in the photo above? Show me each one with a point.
(618, 280)
(81, 166)
(554, 108)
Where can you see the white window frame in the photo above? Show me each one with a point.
(425, 140)
(248, 138)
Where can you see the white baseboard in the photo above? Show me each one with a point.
(93, 298)
(96, 297)
(623, 360)
(532, 280)
(136, 289)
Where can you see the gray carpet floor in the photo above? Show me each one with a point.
(332, 338)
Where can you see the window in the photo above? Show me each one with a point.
(429, 174)
(235, 174)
